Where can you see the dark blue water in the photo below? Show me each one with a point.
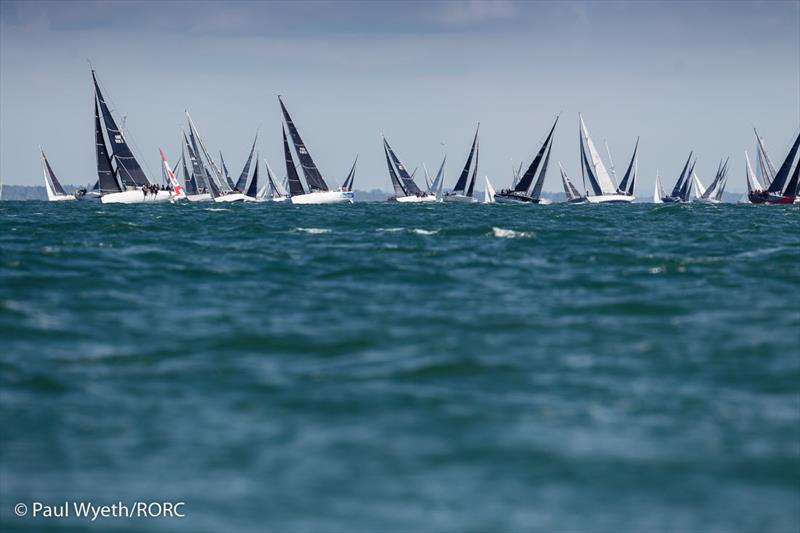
(389, 367)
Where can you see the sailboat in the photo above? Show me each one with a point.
(405, 188)
(571, 192)
(121, 179)
(527, 191)
(488, 194)
(779, 191)
(55, 192)
(197, 189)
(318, 191)
(347, 185)
(683, 187)
(658, 190)
(712, 194)
(463, 191)
(594, 170)
(271, 192)
(241, 183)
(178, 192)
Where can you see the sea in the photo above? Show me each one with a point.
(379, 367)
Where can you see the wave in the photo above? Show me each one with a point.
(314, 231)
(510, 233)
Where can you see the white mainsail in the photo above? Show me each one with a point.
(488, 194)
(699, 188)
(657, 191)
(603, 179)
(752, 181)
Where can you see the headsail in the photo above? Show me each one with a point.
(461, 184)
(198, 171)
(409, 185)
(351, 176)
(196, 135)
(201, 173)
(252, 189)
(295, 185)
(310, 171)
(598, 169)
(569, 189)
(524, 183)
(399, 191)
(658, 191)
(188, 179)
(776, 187)
(765, 166)
(471, 188)
(438, 181)
(227, 176)
(629, 180)
(128, 168)
(676, 191)
(488, 194)
(177, 189)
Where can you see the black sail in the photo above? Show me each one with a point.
(471, 187)
(106, 178)
(200, 172)
(686, 189)
(191, 183)
(776, 187)
(526, 180)
(409, 185)
(242, 181)
(794, 185)
(310, 171)
(626, 186)
(537, 188)
(676, 191)
(252, 189)
(225, 172)
(588, 170)
(295, 185)
(128, 167)
(348, 181)
(399, 191)
(461, 184)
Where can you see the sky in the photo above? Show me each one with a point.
(680, 75)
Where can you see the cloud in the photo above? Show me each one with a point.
(466, 12)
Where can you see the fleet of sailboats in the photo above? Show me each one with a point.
(121, 178)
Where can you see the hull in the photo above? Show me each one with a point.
(672, 200)
(610, 199)
(707, 201)
(502, 198)
(277, 199)
(234, 197)
(459, 199)
(413, 199)
(200, 197)
(60, 198)
(91, 196)
(324, 197)
(135, 197)
(766, 198)
(577, 201)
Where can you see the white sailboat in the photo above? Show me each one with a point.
(406, 190)
(55, 192)
(488, 194)
(712, 194)
(658, 190)
(595, 171)
(270, 192)
(570, 191)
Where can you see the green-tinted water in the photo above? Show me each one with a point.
(571, 368)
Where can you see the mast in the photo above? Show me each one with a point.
(295, 185)
(611, 162)
(461, 184)
(128, 168)
(310, 171)
(776, 187)
(242, 181)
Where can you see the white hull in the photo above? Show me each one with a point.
(324, 197)
(707, 200)
(415, 199)
(200, 197)
(135, 197)
(610, 199)
(59, 197)
(459, 199)
(234, 197)
(273, 199)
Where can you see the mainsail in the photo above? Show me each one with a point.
(595, 167)
(188, 179)
(351, 176)
(252, 189)
(471, 188)
(676, 191)
(765, 166)
(195, 135)
(242, 181)
(461, 184)
(50, 178)
(399, 191)
(569, 189)
(228, 179)
(409, 185)
(310, 171)
(200, 172)
(107, 178)
(128, 168)
(436, 186)
(295, 185)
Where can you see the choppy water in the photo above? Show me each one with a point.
(353, 368)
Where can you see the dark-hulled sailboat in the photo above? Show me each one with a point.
(528, 189)
(782, 189)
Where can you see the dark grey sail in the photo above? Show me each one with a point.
(225, 172)
(686, 188)
(399, 191)
(436, 186)
(587, 170)
(55, 186)
(712, 188)
(273, 189)
(777, 185)
(310, 171)
(471, 188)
(461, 184)
(409, 185)
(252, 189)
(200, 171)
(242, 181)
(189, 181)
(128, 168)
(537, 188)
(351, 176)
(106, 177)
(197, 167)
(793, 187)
(676, 190)
(626, 186)
(524, 183)
(295, 185)
(569, 189)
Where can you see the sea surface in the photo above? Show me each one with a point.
(396, 367)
